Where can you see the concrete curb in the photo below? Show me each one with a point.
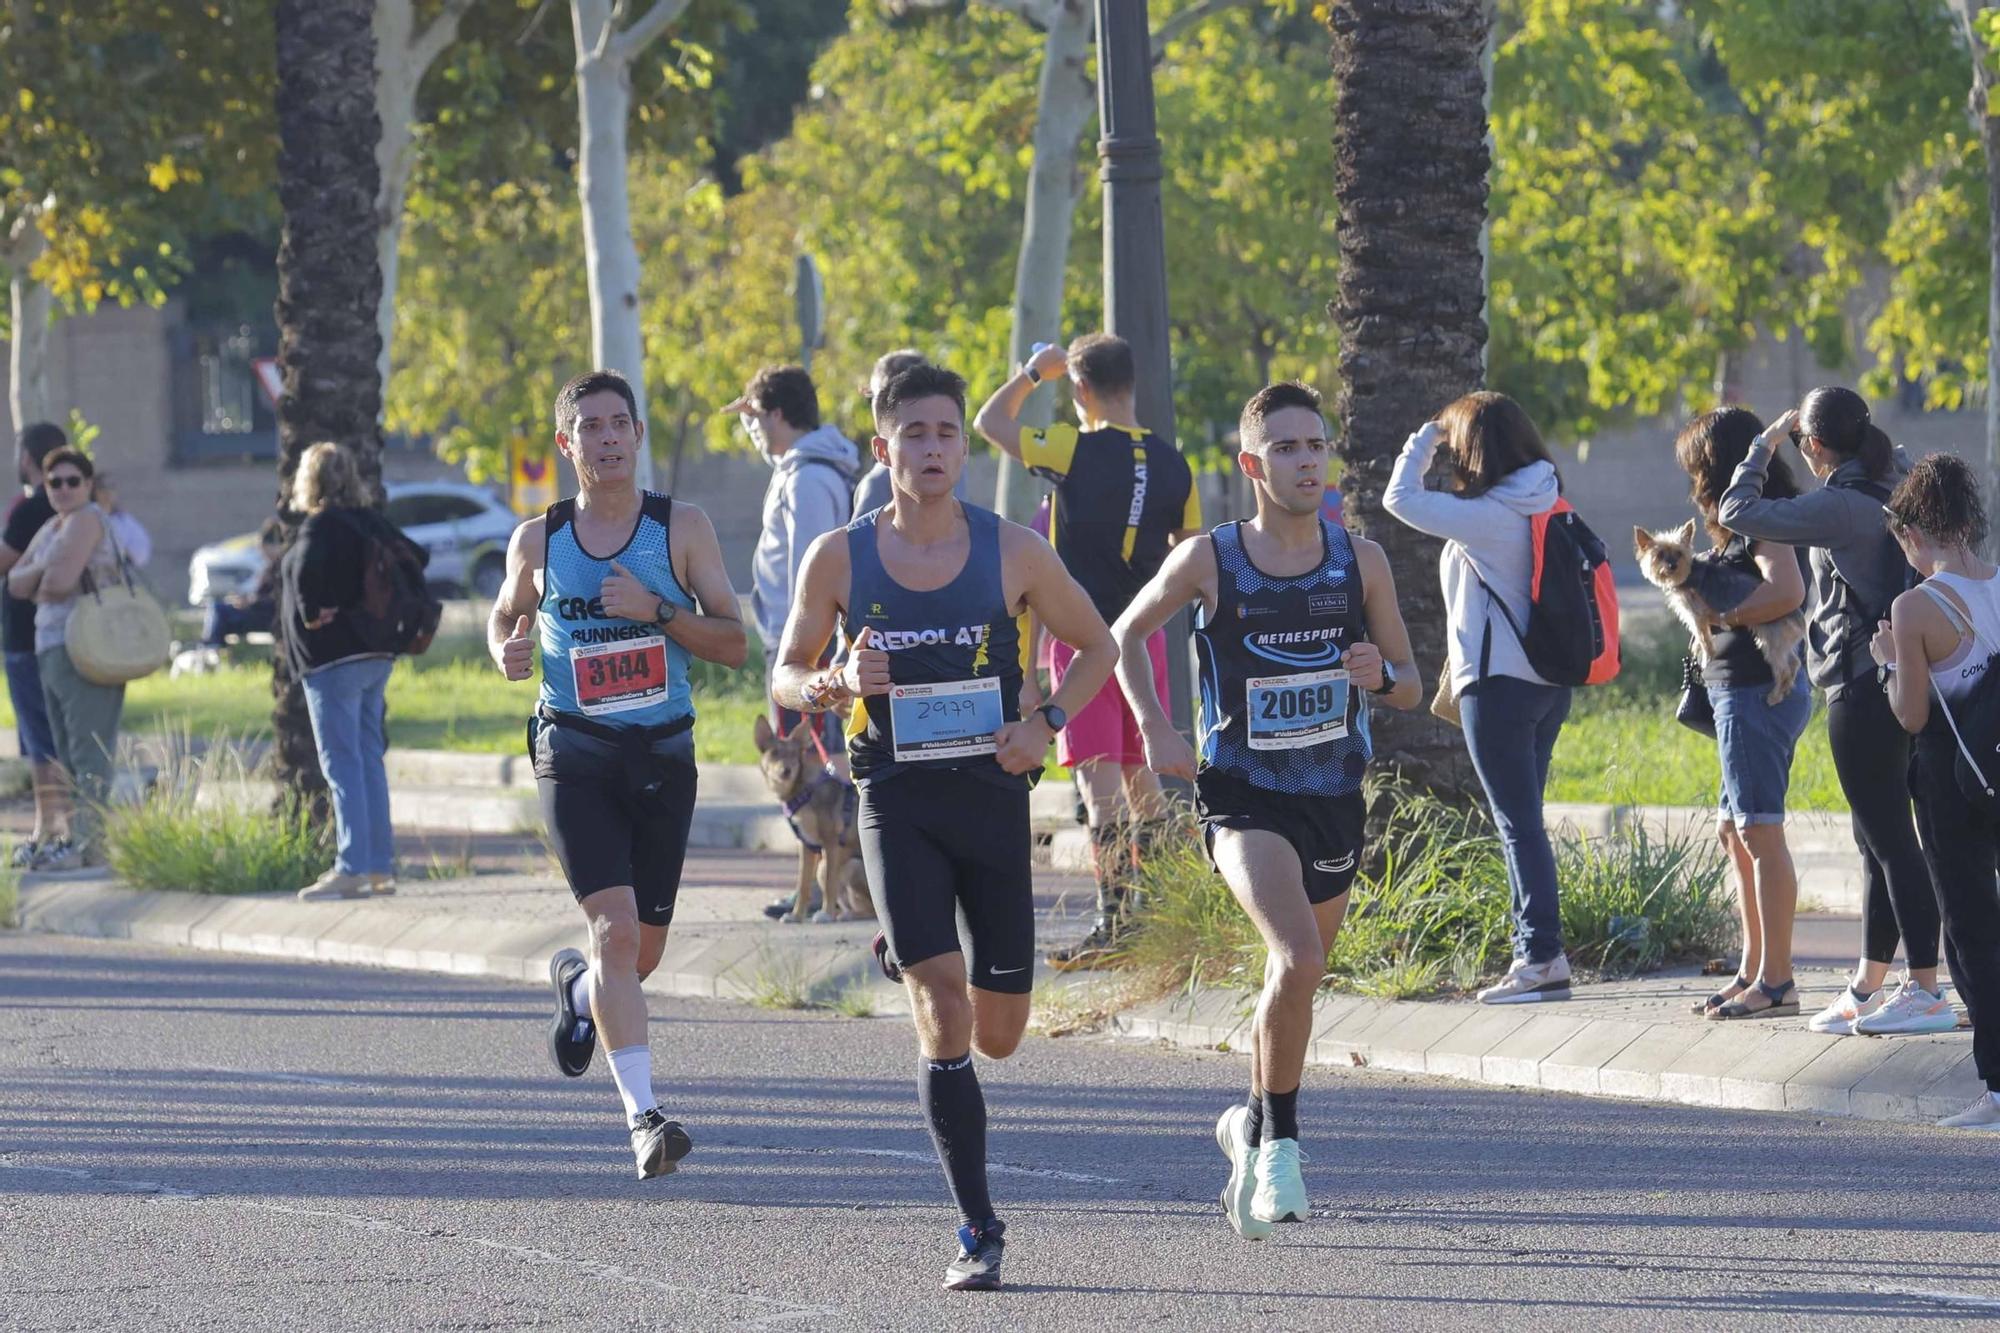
(1742, 1066)
(1561, 1047)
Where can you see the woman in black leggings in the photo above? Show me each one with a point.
(1857, 571)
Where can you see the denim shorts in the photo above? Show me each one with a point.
(1755, 742)
(31, 707)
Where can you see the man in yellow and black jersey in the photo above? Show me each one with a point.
(1123, 496)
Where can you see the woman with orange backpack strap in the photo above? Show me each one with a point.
(1857, 571)
(1532, 613)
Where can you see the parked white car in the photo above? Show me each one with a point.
(465, 528)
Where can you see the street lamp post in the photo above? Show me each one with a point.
(1135, 247)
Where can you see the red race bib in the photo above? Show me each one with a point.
(618, 677)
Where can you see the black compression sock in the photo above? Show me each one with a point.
(1281, 1114)
(1255, 1125)
(955, 1109)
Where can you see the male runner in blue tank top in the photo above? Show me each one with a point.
(927, 590)
(612, 736)
(1299, 631)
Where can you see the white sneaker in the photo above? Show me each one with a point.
(1982, 1114)
(1232, 1135)
(1529, 983)
(1281, 1191)
(1912, 1009)
(1839, 1017)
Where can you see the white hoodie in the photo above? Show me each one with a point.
(1487, 535)
(810, 493)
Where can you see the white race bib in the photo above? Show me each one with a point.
(949, 720)
(1293, 712)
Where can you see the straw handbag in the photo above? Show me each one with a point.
(116, 633)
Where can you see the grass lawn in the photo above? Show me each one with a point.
(1625, 752)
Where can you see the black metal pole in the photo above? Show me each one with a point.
(1135, 249)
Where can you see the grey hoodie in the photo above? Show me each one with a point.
(810, 491)
(1487, 536)
(1857, 569)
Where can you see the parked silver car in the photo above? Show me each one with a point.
(464, 527)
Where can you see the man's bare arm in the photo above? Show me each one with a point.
(1386, 630)
(716, 634)
(509, 641)
(817, 600)
(1000, 419)
(1187, 575)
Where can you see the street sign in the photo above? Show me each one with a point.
(531, 475)
(809, 302)
(271, 377)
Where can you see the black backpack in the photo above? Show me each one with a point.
(1571, 637)
(397, 613)
(1975, 725)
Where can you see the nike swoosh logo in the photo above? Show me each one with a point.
(1003, 971)
(1335, 867)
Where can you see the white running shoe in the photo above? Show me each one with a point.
(1281, 1190)
(1839, 1017)
(1528, 983)
(1982, 1114)
(1912, 1009)
(1232, 1135)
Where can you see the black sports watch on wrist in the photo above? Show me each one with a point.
(1388, 680)
(1053, 716)
(1028, 369)
(665, 615)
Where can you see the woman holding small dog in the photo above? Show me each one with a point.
(1857, 571)
(1755, 677)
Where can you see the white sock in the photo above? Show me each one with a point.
(632, 1070)
(1995, 1096)
(579, 994)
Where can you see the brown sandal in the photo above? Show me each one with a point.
(1723, 996)
(1784, 1002)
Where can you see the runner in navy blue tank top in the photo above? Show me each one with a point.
(1299, 635)
(620, 588)
(928, 591)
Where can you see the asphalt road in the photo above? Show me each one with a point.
(199, 1141)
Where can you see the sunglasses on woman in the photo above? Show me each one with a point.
(65, 482)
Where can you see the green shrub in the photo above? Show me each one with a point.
(10, 885)
(1429, 912)
(171, 840)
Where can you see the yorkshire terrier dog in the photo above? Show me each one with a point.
(1700, 591)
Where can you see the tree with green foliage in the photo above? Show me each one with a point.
(126, 127)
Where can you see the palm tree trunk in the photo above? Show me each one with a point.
(1410, 167)
(329, 286)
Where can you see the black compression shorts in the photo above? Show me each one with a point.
(936, 842)
(612, 824)
(1325, 831)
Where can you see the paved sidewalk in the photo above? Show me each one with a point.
(1633, 1038)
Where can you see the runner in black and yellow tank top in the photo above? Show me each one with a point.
(1122, 497)
(927, 590)
(1300, 635)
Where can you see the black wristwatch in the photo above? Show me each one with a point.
(1388, 680)
(1053, 716)
(1028, 369)
(665, 615)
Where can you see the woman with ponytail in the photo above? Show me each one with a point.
(1857, 571)
(1943, 635)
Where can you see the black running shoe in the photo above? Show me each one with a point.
(890, 968)
(658, 1144)
(572, 1037)
(980, 1248)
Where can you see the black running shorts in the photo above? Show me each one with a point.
(1325, 831)
(611, 825)
(938, 842)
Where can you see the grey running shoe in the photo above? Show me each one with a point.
(980, 1249)
(1529, 983)
(333, 885)
(25, 852)
(573, 1037)
(60, 854)
(1102, 946)
(658, 1144)
(382, 886)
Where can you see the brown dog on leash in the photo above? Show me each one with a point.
(821, 808)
